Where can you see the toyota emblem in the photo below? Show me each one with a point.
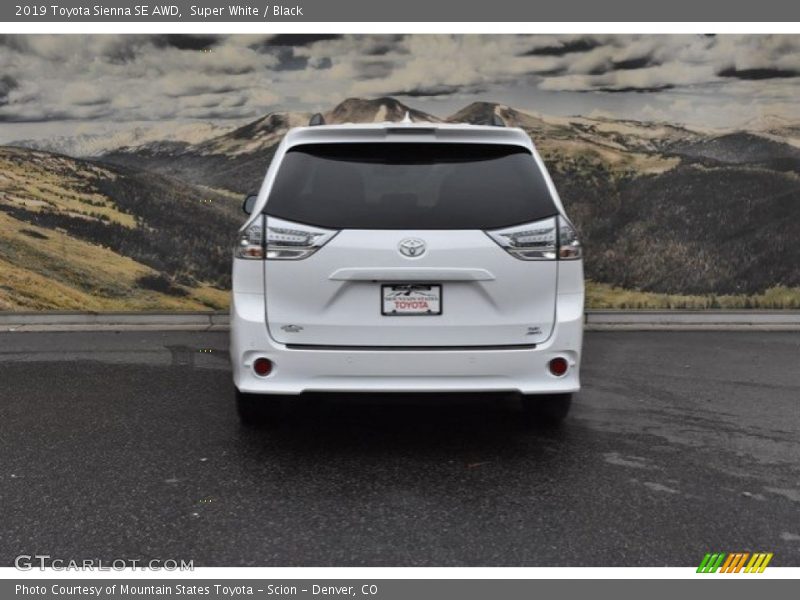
(412, 247)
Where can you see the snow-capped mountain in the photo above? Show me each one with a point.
(95, 144)
(360, 110)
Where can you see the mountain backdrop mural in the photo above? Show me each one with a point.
(99, 211)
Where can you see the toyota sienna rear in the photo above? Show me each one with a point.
(403, 257)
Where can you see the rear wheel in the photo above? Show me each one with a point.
(549, 408)
(258, 410)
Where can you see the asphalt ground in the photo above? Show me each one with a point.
(126, 445)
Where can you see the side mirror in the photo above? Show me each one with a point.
(249, 203)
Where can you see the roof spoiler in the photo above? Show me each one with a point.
(495, 120)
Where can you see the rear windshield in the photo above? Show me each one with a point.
(409, 186)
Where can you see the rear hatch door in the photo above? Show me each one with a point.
(411, 264)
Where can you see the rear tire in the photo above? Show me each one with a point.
(550, 408)
(259, 410)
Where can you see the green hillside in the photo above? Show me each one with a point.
(75, 235)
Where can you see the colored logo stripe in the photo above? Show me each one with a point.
(758, 563)
(734, 562)
(710, 563)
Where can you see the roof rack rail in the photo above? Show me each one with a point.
(497, 121)
(316, 119)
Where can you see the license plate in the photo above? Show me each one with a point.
(411, 299)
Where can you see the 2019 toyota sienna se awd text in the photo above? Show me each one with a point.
(406, 257)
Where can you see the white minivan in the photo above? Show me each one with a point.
(406, 257)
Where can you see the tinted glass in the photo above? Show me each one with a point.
(410, 186)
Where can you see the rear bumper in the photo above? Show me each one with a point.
(363, 370)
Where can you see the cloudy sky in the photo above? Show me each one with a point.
(67, 84)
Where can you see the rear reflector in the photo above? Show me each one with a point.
(558, 366)
(262, 367)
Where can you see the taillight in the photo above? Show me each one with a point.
(251, 241)
(532, 241)
(293, 241)
(569, 247)
(547, 239)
